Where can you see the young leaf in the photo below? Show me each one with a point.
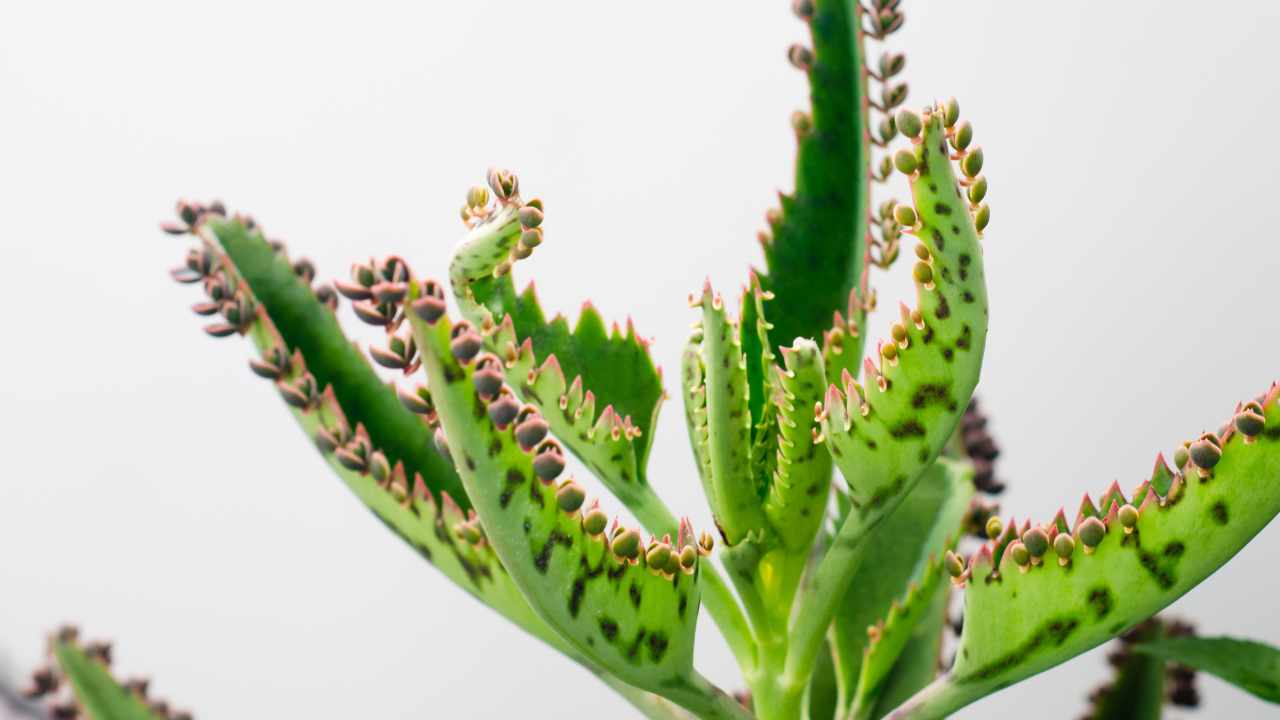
(736, 503)
(1250, 665)
(599, 389)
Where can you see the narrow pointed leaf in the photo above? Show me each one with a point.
(1249, 665)
(815, 257)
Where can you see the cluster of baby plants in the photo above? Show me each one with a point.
(843, 476)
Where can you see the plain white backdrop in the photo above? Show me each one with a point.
(155, 493)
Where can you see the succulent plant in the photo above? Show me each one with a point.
(845, 478)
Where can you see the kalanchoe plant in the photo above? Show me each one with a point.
(834, 603)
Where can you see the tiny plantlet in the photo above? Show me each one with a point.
(849, 477)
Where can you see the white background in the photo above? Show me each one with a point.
(155, 493)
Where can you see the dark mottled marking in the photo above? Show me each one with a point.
(478, 409)
(471, 464)
(657, 646)
(907, 428)
(1101, 601)
(575, 596)
(966, 337)
(948, 353)
(514, 478)
(942, 208)
(634, 592)
(616, 572)
(543, 557)
(1055, 632)
(531, 395)
(451, 374)
(883, 495)
(944, 309)
(495, 447)
(923, 456)
(1219, 511)
(870, 444)
(1174, 549)
(967, 296)
(609, 629)
(535, 494)
(937, 239)
(933, 187)
(528, 526)
(684, 604)
(931, 394)
(946, 273)
(634, 649)
(1163, 577)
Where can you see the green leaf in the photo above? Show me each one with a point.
(600, 390)
(736, 503)
(886, 430)
(415, 509)
(822, 696)
(631, 612)
(884, 436)
(1250, 665)
(800, 485)
(97, 692)
(1179, 527)
(814, 259)
(897, 554)
(918, 664)
(307, 326)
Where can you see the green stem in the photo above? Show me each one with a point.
(651, 706)
(941, 698)
(708, 702)
(742, 563)
(820, 594)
